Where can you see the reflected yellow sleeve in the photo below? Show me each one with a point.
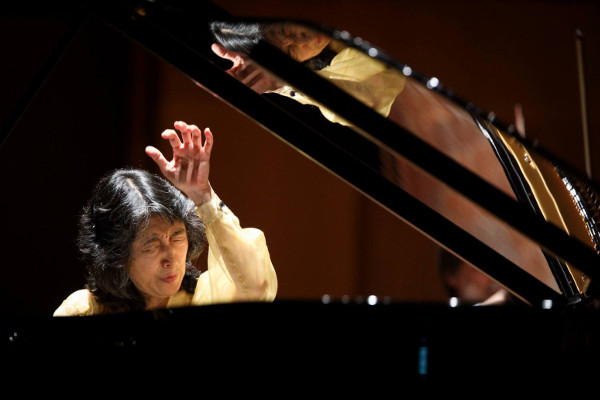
(239, 264)
(372, 82)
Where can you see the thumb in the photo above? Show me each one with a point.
(158, 157)
(232, 56)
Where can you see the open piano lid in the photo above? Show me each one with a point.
(548, 204)
(158, 26)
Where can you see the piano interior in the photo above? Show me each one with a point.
(356, 212)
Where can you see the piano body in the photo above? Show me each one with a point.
(133, 67)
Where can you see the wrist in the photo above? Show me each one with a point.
(211, 210)
(202, 197)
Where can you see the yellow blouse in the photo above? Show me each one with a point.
(239, 267)
(371, 81)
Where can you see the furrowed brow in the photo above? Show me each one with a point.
(150, 239)
(178, 232)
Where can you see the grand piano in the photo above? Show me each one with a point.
(526, 199)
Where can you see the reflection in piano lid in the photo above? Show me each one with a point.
(549, 202)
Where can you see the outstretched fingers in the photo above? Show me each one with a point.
(172, 137)
(222, 52)
(192, 137)
(196, 136)
(208, 141)
(189, 168)
(186, 132)
(158, 158)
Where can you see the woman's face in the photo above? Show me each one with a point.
(297, 41)
(158, 260)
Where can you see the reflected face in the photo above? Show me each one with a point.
(158, 260)
(297, 41)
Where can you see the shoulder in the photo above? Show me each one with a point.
(80, 302)
(352, 64)
(350, 53)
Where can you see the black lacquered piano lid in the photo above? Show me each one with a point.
(351, 345)
(177, 31)
(158, 27)
(421, 340)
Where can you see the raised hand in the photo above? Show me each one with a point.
(189, 168)
(248, 72)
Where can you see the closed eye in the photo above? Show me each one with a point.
(150, 248)
(179, 236)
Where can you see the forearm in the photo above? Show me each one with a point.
(240, 255)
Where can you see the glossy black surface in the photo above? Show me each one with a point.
(300, 343)
(394, 343)
(160, 30)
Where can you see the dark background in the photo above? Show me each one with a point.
(108, 98)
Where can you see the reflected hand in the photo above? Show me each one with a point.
(189, 168)
(248, 72)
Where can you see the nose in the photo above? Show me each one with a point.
(167, 257)
(287, 41)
